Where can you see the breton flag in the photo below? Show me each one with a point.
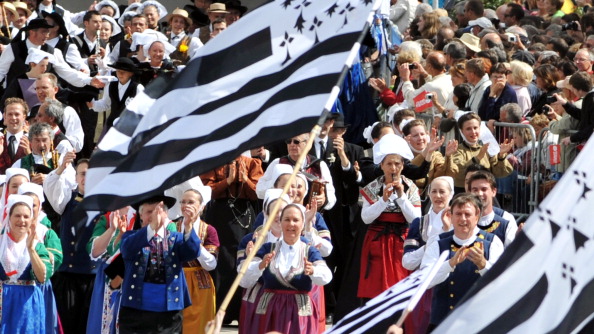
(543, 282)
(382, 311)
(268, 77)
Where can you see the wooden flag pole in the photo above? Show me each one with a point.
(264, 232)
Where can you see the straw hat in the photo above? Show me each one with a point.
(217, 7)
(181, 13)
(23, 6)
(9, 7)
(472, 42)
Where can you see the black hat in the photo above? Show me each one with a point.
(524, 56)
(59, 20)
(199, 18)
(168, 201)
(236, 4)
(339, 122)
(38, 24)
(124, 64)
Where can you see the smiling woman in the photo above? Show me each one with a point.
(24, 265)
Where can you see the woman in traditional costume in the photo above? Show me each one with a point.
(200, 284)
(24, 265)
(289, 269)
(391, 202)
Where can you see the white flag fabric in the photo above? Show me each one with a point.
(268, 77)
(544, 281)
(383, 310)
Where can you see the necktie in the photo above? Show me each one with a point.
(11, 150)
(322, 150)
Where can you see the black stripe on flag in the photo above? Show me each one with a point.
(580, 311)
(172, 150)
(333, 45)
(521, 311)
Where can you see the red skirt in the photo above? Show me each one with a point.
(381, 258)
(248, 323)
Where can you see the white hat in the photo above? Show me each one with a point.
(115, 28)
(31, 187)
(205, 192)
(482, 22)
(367, 132)
(10, 172)
(449, 181)
(14, 199)
(282, 169)
(272, 195)
(111, 4)
(2, 179)
(391, 144)
(147, 38)
(128, 13)
(37, 55)
(160, 8)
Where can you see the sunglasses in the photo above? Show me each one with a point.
(294, 141)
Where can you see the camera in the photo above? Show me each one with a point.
(573, 25)
(428, 96)
(512, 39)
(551, 99)
(412, 66)
(546, 109)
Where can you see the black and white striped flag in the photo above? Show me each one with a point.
(543, 282)
(269, 76)
(385, 309)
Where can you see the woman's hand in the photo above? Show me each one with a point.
(31, 236)
(378, 84)
(308, 267)
(266, 260)
(451, 147)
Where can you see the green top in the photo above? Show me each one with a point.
(101, 227)
(53, 245)
(45, 221)
(44, 256)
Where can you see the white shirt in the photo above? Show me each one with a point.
(193, 46)
(104, 103)
(440, 84)
(64, 71)
(266, 182)
(510, 231)
(72, 55)
(58, 188)
(206, 259)
(73, 127)
(412, 260)
(370, 212)
(432, 254)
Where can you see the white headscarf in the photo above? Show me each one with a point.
(14, 256)
(391, 144)
(270, 196)
(109, 3)
(37, 55)
(10, 172)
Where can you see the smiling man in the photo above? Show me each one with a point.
(472, 252)
(14, 144)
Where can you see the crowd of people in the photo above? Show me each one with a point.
(480, 105)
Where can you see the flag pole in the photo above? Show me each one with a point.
(315, 131)
(414, 300)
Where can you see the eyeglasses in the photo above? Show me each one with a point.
(294, 141)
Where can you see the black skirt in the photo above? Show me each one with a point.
(132, 320)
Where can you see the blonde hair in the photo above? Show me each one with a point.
(522, 73)
(408, 56)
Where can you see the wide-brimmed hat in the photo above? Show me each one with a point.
(23, 6)
(109, 3)
(168, 201)
(59, 20)
(37, 24)
(236, 4)
(472, 42)
(217, 7)
(199, 18)
(10, 8)
(124, 64)
(181, 13)
(339, 122)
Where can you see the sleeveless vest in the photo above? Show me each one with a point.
(449, 292)
(117, 105)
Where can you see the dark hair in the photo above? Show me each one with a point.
(475, 168)
(399, 116)
(15, 205)
(489, 54)
(455, 50)
(81, 161)
(567, 67)
(89, 14)
(468, 117)
(377, 129)
(219, 21)
(570, 17)
(462, 92)
(559, 45)
(587, 21)
(516, 11)
(291, 205)
(476, 6)
(483, 175)
(412, 124)
(581, 81)
(467, 198)
(476, 66)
